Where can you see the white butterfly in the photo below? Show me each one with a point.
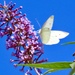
(48, 36)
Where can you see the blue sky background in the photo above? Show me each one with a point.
(64, 12)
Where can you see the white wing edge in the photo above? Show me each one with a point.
(62, 35)
(49, 22)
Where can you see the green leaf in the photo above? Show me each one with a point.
(51, 70)
(51, 65)
(73, 68)
(69, 43)
(72, 72)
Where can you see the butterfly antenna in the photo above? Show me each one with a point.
(38, 22)
(38, 31)
(4, 3)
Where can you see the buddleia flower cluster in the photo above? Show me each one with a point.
(20, 36)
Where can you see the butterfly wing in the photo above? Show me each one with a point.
(59, 34)
(45, 31)
(56, 36)
(49, 22)
(52, 40)
(45, 35)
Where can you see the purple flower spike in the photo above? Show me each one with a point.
(7, 16)
(20, 36)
